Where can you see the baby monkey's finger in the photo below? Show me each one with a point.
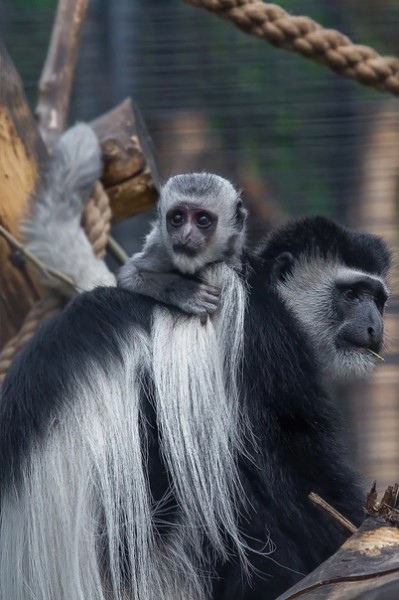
(210, 289)
(204, 319)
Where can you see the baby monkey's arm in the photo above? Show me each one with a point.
(148, 273)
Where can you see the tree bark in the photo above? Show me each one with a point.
(366, 567)
(22, 155)
(56, 81)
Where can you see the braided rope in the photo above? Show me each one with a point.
(96, 222)
(44, 308)
(308, 38)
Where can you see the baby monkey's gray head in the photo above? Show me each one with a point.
(202, 221)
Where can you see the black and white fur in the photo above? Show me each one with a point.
(293, 349)
(114, 488)
(53, 229)
(338, 293)
(180, 245)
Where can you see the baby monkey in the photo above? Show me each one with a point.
(201, 220)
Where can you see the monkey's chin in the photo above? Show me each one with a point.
(349, 364)
(188, 264)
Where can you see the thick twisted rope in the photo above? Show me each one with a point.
(305, 36)
(97, 220)
(96, 223)
(43, 309)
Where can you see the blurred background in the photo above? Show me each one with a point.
(298, 139)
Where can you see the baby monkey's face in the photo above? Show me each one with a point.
(190, 228)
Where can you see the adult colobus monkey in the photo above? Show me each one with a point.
(131, 468)
(318, 292)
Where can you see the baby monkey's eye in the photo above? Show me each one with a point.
(176, 219)
(203, 220)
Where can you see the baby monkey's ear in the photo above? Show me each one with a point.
(241, 214)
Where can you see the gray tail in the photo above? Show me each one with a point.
(52, 230)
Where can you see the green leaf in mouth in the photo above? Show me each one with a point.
(375, 354)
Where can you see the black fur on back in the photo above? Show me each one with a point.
(319, 236)
(41, 378)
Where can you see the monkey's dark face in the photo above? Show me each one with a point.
(197, 236)
(359, 302)
(340, 308)
(190, 228)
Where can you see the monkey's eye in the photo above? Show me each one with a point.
(380, 301)
(203, 220)
(176, 219)
(351, 295)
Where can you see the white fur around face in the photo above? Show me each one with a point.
(307, 292)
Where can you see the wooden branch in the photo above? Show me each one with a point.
(57, 76)
(23, 154)
(366, 567)
(130, 175)
(332, 512)
(117, 250)
(47, 271)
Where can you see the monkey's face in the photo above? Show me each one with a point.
(190, 230)
(202, 221)
(341, 309)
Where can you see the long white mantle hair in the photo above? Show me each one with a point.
(81, 526)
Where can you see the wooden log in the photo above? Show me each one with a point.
(22, 155)
(56, 81)
(366, 567)
(130, 175)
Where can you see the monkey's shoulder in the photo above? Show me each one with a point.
(71, 347)
(89, 330)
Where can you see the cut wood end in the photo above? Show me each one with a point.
(123, 159)
(388, 508)
(125, 145)
(132, 197)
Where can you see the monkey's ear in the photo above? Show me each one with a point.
(281, 266)
(241, 215)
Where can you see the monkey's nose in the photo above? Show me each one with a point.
(185, 248)
(179, 246)
(375, 334)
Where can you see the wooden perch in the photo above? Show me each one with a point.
(56, 81)
(130, 176)
(366, 567)
(22, 155)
